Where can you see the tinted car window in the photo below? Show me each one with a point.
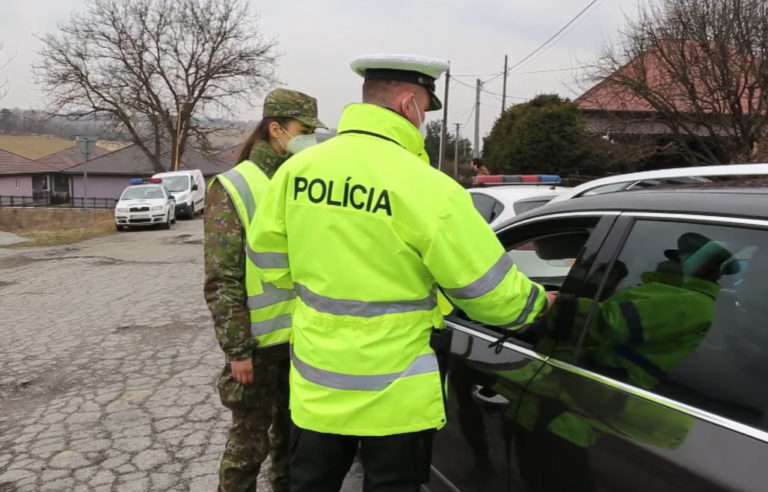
(526, 205)
(549, 258)
(683, 313)
(557, 253)
(489, 207)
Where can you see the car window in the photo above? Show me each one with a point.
(556, 253)
(489, 207)
(549, 258)
(143, 193)
(528, 204)
(176, 183)
(682, 313)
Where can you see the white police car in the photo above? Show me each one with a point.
(501, 197)
(145, 203)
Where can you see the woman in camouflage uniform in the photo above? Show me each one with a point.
(254, 382)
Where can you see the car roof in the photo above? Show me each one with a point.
(516, 192)
(730, 202)
(681, 172)
(186, 172)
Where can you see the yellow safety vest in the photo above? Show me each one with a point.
(368, 232)
(270, 306)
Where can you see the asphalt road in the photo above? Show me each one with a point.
(107, 367)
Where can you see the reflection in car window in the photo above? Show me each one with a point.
(552, 253)
(489, 207)
(683, 314)
(549, 258)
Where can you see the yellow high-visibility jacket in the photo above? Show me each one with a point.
(270, 307)
(368, 232)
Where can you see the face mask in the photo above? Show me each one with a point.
(422, 123)
(301, 142)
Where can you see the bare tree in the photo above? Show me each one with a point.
(702, 66)
(155, 67)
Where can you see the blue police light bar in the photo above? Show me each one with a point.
(510, 179)
(136, 181)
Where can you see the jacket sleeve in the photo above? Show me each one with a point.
(268, 248)
(474, 270)
(225, 274)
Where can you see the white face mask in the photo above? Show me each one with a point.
(422, 123)
(301, 142)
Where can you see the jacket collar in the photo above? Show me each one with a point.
(265, 157)
(384, 123)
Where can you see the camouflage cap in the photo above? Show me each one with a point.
(284, 103)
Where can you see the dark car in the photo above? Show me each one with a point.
(651, 371)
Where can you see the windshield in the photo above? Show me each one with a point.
(143, 193)
(176, 183)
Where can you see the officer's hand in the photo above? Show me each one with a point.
(551, 298)
(242, 371)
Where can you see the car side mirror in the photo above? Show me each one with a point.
(194, 187)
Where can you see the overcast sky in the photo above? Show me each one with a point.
(319, 38)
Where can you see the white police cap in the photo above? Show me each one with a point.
(420, 70)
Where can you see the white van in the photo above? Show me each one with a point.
(188, 188)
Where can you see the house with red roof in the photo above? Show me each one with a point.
(614, 110)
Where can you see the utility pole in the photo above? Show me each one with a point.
(476, 150)
(444, 128)
(86, 145)
(504, 91)
(456, 151)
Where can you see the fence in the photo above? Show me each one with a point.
(45, 200)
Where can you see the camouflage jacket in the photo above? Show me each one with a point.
(224, 242)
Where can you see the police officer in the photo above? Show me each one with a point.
(252, 320)
(368, 231)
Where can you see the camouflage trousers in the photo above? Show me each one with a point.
(260, 427)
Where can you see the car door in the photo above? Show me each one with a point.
(664, 389)
(489, 368)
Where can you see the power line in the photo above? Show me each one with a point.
(469, 116)
(472, 74)
(552, 70)
(548, 41)
(484, 91)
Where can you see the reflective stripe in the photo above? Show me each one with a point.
(270, 296)
(486, 283)
(634, 325)
(267, 260)
(360, 308)
(532, 297)
(241, 185)
(423, 364)
(271, 325)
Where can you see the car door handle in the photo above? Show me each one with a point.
(488, 396)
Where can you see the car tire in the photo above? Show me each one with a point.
(120, 228)
(167, 224)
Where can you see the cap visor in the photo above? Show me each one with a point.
(311, 122)
(434, 103)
